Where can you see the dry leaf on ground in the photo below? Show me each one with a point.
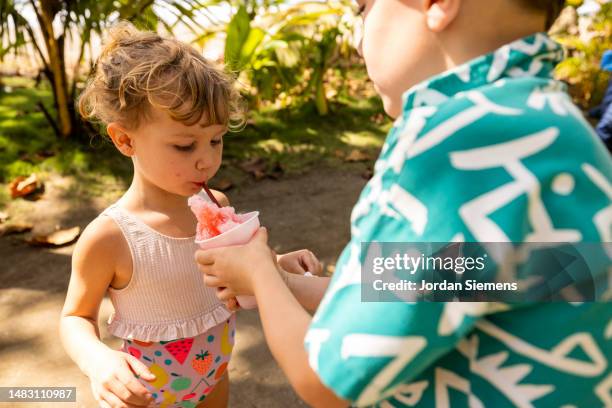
(259, 168)
(23, 186)
(15, 228)
(57, 238)
(255, 166)
(356, 156)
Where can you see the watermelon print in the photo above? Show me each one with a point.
(185, 367)
(180, 349)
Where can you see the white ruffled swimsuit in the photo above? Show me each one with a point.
(167, 317)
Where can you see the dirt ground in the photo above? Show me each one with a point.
(306, 211)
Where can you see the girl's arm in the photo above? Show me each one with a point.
(308, 290)
(94, 262)
(92, 272)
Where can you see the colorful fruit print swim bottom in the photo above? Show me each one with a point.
(188, 369)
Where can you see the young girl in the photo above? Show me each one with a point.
(167, 108)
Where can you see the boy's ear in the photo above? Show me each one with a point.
(440, 13)
(121, 139)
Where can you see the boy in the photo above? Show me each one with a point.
(483, 149)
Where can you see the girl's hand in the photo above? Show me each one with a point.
(235, 268)
(300, 262)
(114, 381)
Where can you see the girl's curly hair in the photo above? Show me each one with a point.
(138, 70)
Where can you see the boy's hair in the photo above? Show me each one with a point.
(552, 8)
(138, 70)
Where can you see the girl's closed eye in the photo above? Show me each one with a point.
(185, 148)
(216, 142)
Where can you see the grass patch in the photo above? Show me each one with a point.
(298, 137)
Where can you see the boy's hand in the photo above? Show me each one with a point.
(234, 269)
(300, 262)
(232, 304)
(114, 381)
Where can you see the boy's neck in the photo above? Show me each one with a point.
(142, 195)
(478, 32)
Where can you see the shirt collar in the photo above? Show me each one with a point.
(533, 56)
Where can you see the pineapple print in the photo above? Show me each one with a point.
(169, 400)
(226, 344)
(202, 362)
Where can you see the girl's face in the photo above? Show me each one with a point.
(175, 157)
(398, 48)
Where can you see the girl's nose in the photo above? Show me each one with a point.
(201, 164)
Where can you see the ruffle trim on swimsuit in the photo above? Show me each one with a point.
(166, 331)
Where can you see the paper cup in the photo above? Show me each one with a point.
(239, 235)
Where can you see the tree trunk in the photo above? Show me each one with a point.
(56, 66)
(321, 98)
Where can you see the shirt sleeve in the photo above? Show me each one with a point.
(363, 351)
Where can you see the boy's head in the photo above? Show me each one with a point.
(407, 41)
(164, 105)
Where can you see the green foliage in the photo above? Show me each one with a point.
(241, 40)
(298, 138)
(61, 20)
(28, 144)
(23, 129)
(581, 70)
(284, 55)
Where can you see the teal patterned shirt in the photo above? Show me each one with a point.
(491, 151)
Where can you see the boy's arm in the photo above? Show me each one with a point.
(285, 337)
(308, 290)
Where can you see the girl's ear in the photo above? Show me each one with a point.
(440, 13)
(121, 139)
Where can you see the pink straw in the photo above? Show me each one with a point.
(210, 195)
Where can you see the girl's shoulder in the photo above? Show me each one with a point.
(98, 255)
(101, 231)
(101, 241)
